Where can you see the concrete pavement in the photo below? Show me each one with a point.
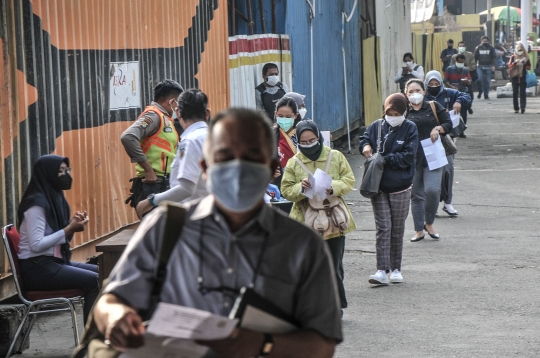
(474, 292)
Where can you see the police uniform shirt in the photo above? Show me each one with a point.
(186, 164)
(145, 126)
(295, 273)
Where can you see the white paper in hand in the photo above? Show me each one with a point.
(454, 117)
(189, 323)
(309, 192)
(434, 152)
(323, 181)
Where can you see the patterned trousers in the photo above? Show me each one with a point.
(390, 212)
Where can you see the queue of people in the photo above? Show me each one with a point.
(219, 170)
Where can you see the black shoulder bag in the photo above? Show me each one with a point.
(93, 342)
(373, 170)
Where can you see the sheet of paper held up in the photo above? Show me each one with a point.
(319, 181)
(173, 328)
(434, 152)
(454, 117)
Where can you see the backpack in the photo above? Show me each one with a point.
(326, 216)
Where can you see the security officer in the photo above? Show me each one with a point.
(270, 91)
(186, 171)
(151, 142)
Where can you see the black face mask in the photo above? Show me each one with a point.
(63, 182)
(450, 46)
(485, 44)
(434, 90)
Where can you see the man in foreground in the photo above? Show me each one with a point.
(231, 239)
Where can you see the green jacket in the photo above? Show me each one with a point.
(342, 182)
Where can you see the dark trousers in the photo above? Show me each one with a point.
(337, 249)
(47, 273)
(519, 89)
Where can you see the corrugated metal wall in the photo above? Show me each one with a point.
(56, 93)
(328, 80)
(247, 56)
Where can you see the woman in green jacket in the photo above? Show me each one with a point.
(313, 155)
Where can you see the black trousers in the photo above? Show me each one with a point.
(44, 273)
(519, 89)
(337, 249)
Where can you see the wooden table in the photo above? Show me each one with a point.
(111, 250)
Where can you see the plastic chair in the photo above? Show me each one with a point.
(36, 300)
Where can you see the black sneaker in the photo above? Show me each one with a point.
(479, 95)
(462, 135)
(470, 111)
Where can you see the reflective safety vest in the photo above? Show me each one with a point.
(160, 148)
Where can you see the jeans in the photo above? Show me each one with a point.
(484, 78)
(337, 249)
(425, 195)
(519, 89)
(48, 273)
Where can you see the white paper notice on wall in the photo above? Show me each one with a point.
(326, 138)
(124, 85)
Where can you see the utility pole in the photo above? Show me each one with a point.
(526, 20)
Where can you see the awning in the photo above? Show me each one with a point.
(421, 10)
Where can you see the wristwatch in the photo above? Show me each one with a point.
(151, 199)
(267, 346)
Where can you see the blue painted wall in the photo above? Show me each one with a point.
(329, 93)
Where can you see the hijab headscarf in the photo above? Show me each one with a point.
(518, 58)
(398, 102)
(44, 191)
(309, 125)
(433, 75)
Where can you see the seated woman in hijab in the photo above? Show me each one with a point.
(46, 229)
(296, 185)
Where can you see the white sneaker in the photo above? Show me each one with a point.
(379, 278)
(395, 276)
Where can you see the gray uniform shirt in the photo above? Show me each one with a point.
(145, 126)
(295, 272)
(271, 90)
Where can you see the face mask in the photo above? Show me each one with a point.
(302, 112)
(310, 148)
(519, 53)
(395, 120)
(416, 98)
(63, 182)
(238, 185)
(450, 46)
(285, 123)
(460, 65)
(409, 63)
(461, 49)
(434, 90)
(272, 80)
(485, 44)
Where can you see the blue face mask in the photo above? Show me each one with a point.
(285, 123)
(238, 185)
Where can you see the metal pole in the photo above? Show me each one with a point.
(250, 17)
(507, 21)
(233, 17)
(261, 9)
(274, 25)
(526, 19)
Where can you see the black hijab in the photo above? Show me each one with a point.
(43, 191)
(309, 125)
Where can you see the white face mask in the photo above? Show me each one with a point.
(416, 98)
(302, 112)
(461, 49)
(395, 121)
(409, 63)
(519, 53)
(460, 65)
(272, 80)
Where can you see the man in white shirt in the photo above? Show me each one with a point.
(186, 173)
